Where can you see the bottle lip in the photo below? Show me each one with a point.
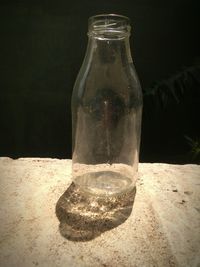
(109, 26)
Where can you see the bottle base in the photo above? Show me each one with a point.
(104, 183)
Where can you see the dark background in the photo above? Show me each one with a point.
(42, 46)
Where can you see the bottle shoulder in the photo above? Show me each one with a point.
(96, 79)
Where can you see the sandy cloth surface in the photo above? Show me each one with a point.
(163, 228)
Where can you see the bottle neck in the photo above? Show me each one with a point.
(109, 51)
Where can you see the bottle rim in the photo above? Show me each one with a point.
(109, 26)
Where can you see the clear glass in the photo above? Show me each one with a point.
(106, 111)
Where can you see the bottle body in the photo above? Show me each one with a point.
(106, 114)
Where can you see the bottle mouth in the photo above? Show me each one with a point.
(109, 26)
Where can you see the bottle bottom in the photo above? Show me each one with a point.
(104, 183)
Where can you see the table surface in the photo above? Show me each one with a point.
(163, 228)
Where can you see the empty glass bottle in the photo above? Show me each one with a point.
(106, 110)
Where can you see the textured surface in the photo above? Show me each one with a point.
(162, 230)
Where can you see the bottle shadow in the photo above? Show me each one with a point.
(83, 217)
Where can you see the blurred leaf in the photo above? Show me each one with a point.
(174, 87)
(195, 146)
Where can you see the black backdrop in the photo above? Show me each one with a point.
(42, 47)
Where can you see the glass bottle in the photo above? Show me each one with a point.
(106, 111)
